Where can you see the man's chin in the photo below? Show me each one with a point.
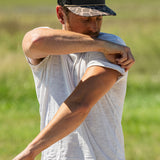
(94, 36)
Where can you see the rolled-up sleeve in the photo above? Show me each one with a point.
(98, 59)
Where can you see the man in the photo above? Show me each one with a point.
(80, 80)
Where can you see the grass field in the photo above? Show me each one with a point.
(137, 23)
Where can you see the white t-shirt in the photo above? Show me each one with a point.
(100, 136)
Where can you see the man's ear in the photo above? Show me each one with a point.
(60, 14)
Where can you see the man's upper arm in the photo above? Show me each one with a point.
(93, 85)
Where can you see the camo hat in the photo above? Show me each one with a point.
(87, 8)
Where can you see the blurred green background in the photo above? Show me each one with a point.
(137, 22)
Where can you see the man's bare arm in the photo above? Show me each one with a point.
(73, 111)
(42, 42)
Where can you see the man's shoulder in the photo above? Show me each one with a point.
(111, 37)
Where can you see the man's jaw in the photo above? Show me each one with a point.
(92, 34)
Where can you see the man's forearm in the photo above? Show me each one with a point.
(42, 42)
(64, 122)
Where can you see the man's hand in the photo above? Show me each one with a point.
(24, 155)
(123, 57)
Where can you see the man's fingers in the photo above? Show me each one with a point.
(126, 62)
(123, 58)
(127, 59)
(125, 54)
(128, 65)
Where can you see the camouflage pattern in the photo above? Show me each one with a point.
(89, 11)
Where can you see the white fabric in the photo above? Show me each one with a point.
(100, 136)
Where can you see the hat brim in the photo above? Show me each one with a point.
(90, 11)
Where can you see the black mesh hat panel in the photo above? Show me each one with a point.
(87, 7)
(80, 2)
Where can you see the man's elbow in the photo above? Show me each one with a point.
(84, 108)
(79, 106)
(30, 43)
